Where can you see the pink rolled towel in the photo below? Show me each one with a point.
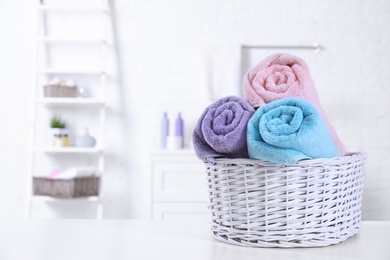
(282, 75)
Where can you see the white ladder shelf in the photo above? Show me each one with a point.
(98, 103)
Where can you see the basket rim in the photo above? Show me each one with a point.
(321, 161)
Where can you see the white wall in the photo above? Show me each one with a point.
(158, 44)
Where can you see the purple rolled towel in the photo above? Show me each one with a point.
(221, 129)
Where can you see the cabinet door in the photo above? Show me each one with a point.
(179, 181)
(181, 211)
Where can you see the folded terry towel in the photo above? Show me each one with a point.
(221, 129)
(281, 76)
(74, 172)
(288, 130)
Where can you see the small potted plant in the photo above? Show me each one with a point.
(59, 133)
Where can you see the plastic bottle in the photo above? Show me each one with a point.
(65, 140)
(179, 129)
(164, 131)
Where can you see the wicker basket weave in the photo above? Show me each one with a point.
(66, 188)
(308, 204)
(59, 91)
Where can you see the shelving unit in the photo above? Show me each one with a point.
(95, 103)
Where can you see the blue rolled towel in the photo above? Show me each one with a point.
(221, 129)
(288, 130)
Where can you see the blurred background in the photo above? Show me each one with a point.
(132, 61)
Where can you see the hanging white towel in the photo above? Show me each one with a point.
(226, 71)
(219, 70)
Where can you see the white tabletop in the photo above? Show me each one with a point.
(132, 239)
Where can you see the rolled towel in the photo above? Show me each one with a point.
(281, 76)
(288, 130)
(221, 129)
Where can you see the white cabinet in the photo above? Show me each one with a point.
(179, 186)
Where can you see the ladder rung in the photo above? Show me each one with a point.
(48, 198)
(69, 150)
(69, 40)
(69, 101)
(65, 8)
(69, 71)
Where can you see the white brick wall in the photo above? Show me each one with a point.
(158, 43)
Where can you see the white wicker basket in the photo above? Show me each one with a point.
(308, 204)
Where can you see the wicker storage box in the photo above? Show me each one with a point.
(66, 188)
(59, 91)
(308, 204)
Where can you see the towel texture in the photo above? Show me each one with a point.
(221, 129)
(73, 172)
(288, 130)
(281, 76)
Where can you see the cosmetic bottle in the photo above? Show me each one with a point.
(179, 129)
(164, 131)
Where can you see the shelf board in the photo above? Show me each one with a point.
(68, 8)
(67, 71)
(49, 198)
(70, 40)
(69, 150)
(69, 101)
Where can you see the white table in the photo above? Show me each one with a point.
(132, 239)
